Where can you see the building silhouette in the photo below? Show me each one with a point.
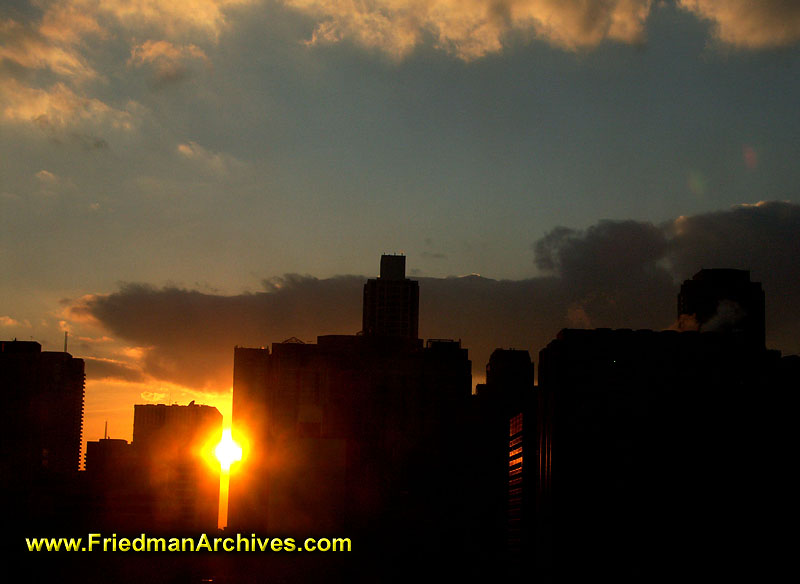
(40, 435)
(360, 432)
(724, 300)
(391, 301)
(163, 481)
(645, 439)
(639, 455)
(118, 498)
(168, 443)
(506, 482)
(44, 396)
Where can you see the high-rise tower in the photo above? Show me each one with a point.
(40, 434)
(43, 404)
(391, 302)
(168, 442)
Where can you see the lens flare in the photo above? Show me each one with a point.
(227, 451)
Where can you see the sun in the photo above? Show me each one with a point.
(227, 451)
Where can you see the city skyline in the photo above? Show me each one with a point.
(627, 453)
(332, 306)
(199, 175)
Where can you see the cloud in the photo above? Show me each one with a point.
(43, 48)
(623, 274)
(168, 61)
(47, 177)
(218, 163)
(7, 321)
(153, 397)
(109, 369)
(48, 60)
(750, 25)
(190, 335)
(172, 18)
(471, 29)
(78, 310)
(58, 106)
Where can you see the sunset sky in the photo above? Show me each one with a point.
(179, 177)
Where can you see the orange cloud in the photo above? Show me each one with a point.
(471, 29)
(153, 397)
(56, 43)
(79, 310)
(215, 162)
(168, 61)
(750, 25)
(164, 52)
(173, 17)
(35, 48)
(58, 106)
(7, 321)
(47, 177)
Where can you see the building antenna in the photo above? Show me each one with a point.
(65, 340)
(105, 433)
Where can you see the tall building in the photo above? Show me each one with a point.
(391, 301)
(354, 431)
(40, 433)
(724, 300)
(119, 498)
(505, 424)
(652, 452)
(43, 393)
(168, 443)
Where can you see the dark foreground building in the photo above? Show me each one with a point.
(164, 481)
(657, 453)
(641, 455)
(168, 442)
(40, 434)
(504, 416)
(359, 434)
(724, 300)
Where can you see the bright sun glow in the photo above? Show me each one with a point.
(227, 451)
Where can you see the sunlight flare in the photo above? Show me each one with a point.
(227, 451)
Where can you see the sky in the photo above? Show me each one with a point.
(178, 177)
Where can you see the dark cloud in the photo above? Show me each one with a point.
(762, 238)
(89, 142)
(623, 274)
(190, 335)
(106, 369)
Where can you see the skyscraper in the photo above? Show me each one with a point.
(43, 420)
(645, 438)
(168, 443)
(391, 302)
(505, 424)
(40, 433)
(353, 431)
